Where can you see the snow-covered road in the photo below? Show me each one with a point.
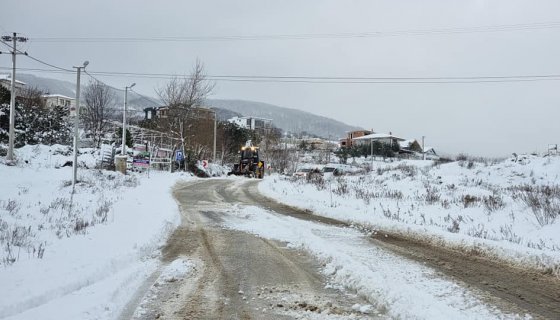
(233, 269)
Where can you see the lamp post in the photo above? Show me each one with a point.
(76, 122)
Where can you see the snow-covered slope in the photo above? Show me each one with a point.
(509, 209)
(78, 256)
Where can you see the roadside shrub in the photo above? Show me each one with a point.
(469, 201)
(12, 206)
(544, 201)
(432, 195)
(341, 187)
(102, 211)
(470, 161)
(19, 237)
(454, 228)
(367, 194)
(408, 170)
(442, 160)
(493, 202)
(318, 181)
(80, 226)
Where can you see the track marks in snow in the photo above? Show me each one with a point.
(393, 285)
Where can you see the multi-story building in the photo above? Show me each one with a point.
(252, 123)
(348, 142)
(52, 100)
(6, 82)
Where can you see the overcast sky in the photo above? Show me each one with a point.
(493, 119)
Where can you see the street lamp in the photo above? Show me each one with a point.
(123, 151)
(76, 122)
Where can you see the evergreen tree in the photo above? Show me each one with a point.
(4, 95)
(35, 124)
(129, 142)
(343, 154)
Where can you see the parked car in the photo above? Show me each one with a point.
(334, 170)
(302, 172)
(306, 172)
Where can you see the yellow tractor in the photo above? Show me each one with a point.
(250, 164)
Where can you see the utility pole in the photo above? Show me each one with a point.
(214, 149)
(371, 151)
(423, 150)
(121, 160)
(76, 130)
(15, 39)
(123, 151)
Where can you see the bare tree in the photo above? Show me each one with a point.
(187, 91)
(270, 139)
(31, 97)
(99, 100)
(181, 120)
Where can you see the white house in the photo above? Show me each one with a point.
(252, 123)
(379, 137)
(6, 82)
(52, 100)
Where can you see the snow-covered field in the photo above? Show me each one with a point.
(78, 256)
(508, 209)
(84, 255)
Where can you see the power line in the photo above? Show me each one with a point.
(319, 79)
(94, 78)
(138, 94)
(48, 64)
(36, 59)
(372, 34)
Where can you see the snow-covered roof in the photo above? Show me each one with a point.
(406, 143)
(378, 136)
(248, 117)
(7, 77)
(57, 96)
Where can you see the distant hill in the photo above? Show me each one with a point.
(287, 119)
(54, 86)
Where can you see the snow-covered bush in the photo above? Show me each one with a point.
(36, 124)
(544, 201)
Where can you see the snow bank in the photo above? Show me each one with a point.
(84, 255)
(466, 205)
